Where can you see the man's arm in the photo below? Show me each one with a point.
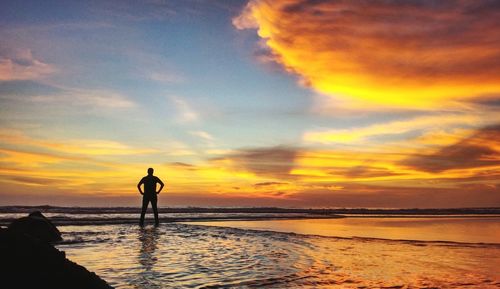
(161, 185)
(139, 186)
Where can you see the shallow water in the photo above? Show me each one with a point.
(193, 256)
(452, 229)
(98, 218)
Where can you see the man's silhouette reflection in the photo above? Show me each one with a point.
(148, 277)
(150, 194)
(149, 240)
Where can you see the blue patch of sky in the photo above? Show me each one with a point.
(241, 102)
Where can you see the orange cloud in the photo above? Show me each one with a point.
(391, 53)
(430, 123)
(482, 149)
(80, 166)
(361, 195)
(282, 175)
(272, 162)
(87, 147)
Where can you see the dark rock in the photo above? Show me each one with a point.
(27, 262)
(37, 226)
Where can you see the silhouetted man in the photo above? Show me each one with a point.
(150, 194)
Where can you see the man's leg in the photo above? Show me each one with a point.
(154, 203)
(145, 202)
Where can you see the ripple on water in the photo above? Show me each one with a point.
(193, 256)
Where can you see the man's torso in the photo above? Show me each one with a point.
(150, 185)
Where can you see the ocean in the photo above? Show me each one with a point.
(260, 250)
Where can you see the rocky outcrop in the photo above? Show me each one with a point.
(38, 226)
(28, 261)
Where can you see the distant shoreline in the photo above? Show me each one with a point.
(258, 210)
(201, 219)
(81, 216)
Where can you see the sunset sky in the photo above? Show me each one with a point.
(289, 103)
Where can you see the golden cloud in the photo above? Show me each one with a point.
(414, 54)
(482, 149)
(270, 161)
(430, 124)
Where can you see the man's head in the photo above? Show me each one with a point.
(150, 171)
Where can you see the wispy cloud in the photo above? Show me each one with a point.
(87, 97)
(152, 65)
(37, 181)
(203, 135)
(424, 125)
(185, 112)
(165, 77)
(70, 97)
(81, 166)
(177, 148)
(373, 195)
(23, 66)
(206, 138)
(69, 147)
(482, 149)
(273, 161)
(128, 11)
(265, 184)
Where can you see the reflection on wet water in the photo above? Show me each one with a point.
(192, 256)
(453, 229)
(147, 258)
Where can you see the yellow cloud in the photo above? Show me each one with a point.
(72, 146)
(397, 54)
(277, 173)
(427, 123)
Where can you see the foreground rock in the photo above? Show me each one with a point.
(36, 225)
(28, 262)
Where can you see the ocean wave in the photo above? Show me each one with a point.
(130, 218)
(259, 210)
